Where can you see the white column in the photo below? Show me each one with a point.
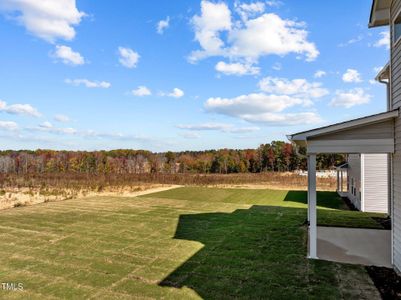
(307, 162)
(312, 205)
(338, 180)
(342, 180)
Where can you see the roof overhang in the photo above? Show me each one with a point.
(335, 138)
(384, 74)
(380, 13)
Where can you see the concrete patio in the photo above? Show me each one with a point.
(354, 245)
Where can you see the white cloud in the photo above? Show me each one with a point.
(248, 39)
(299, 87)
(68, 56)
(274, 3)
(8, 125)
(262, 108)
(128, 57)
(190, 135)
(352, 41)
(319, 74)
(19, 109)
(238, 69)
(284, 119)
(141, 91)
(89, 83)
(384, 41)
(163, 25)
(176, 93)
(350, 98)
(48, 20)
(277, 67)
(246, 10)
(46, 125)
(61, 118)
(214, 18)
(49, 128)
(223, 127)
(352, 75)
(251, 104)
(377, 69)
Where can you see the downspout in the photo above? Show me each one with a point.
(387, 83)
(389, 156)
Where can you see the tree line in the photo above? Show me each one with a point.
(275, 156)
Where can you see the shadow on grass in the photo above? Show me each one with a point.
(324, 199)
(258, 252)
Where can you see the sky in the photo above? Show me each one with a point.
(183, 75)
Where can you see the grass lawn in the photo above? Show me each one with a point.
(177, 244)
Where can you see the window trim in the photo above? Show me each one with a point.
(395, 42)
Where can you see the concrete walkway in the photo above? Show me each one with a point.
(354, 245)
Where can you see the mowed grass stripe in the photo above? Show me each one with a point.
(190, 243)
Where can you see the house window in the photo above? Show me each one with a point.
(397, 28)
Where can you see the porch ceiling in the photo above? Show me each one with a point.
(371, 134)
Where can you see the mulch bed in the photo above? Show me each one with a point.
(387, 281)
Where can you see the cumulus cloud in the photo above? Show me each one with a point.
(162, 25)
(249, 38)
(299, 87)
(176, 93)
(8, 125)
(48, 20)
(352, 75)
(19, 109)
(223, 127)
(246, 10)
(61, 118)
(350, 98)
(319, 74)
(141, 91)
(237, 69)
(262, 108)
(128, 57)
(89, 83)
(68, 56)
(384, 41)
(251, 104)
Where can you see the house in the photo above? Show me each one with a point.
(375, 134)
(363, 179)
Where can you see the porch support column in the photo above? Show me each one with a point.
(342, 180)
(338, 180)
(312, 206)
(308, 194)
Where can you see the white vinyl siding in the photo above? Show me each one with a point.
(375, 183)
(354, 175)
(395, 86)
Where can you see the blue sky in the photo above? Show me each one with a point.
(183, 75)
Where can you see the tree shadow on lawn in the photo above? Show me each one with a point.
(258, 252)
(325, 199)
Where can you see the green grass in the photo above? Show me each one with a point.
(178, 244)
(332, 211)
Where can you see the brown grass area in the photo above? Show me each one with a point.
(27, 189)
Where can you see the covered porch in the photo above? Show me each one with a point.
(372, 134)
